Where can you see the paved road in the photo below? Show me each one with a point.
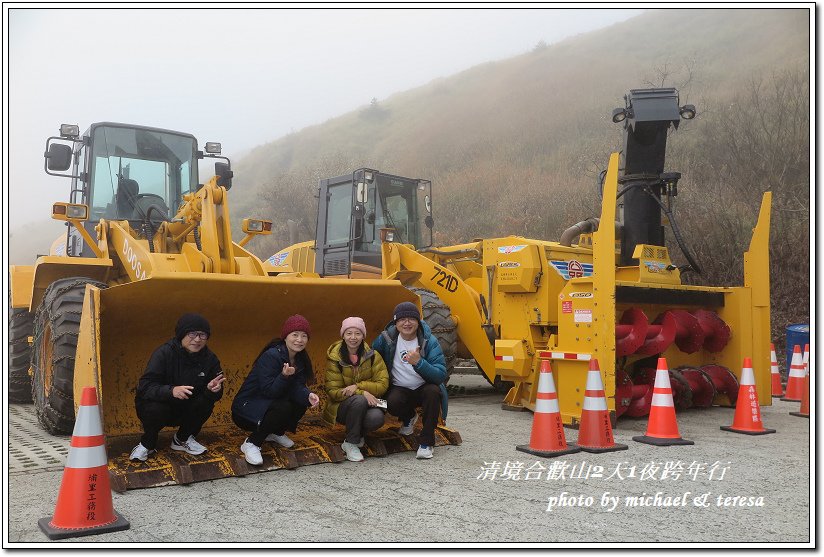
(400, 499)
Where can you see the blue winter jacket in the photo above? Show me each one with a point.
(266, 383)
(431, 367)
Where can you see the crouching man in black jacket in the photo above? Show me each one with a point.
(180, 386)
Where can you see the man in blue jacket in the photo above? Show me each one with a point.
(417, 373)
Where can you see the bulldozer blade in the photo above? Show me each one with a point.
(122, 325)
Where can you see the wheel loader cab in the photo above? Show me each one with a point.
(130, 173)
(354, 208)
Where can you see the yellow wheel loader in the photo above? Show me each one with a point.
(614, 295)
(144, 244)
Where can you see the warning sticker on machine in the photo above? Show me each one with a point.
(583, 316)
(566, 307)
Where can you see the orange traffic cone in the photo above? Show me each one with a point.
(804, 412)
(747, 411)
(795, 379)
(84, 504)
(595, 430)
(662, 428)
(547, 438)
(777, 389)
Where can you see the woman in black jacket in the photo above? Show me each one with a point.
(180, 387)
(274, 396)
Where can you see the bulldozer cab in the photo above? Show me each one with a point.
(353, 211)
(121, 172)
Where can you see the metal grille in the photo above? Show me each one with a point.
(31, 448)
(338, 266)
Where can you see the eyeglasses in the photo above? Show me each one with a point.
(407, 320)
(197, 334)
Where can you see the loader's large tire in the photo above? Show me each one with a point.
(56, 326)
(439, 318)
(21, 325)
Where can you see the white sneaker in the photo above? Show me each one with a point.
(251, 452)
(409, 427)
(190, 445)
(141, 453)
(424, 452)
(352, 451)
(281, 440)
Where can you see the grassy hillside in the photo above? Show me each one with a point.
(515, 146)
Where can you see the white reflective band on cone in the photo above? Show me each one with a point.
(797, 372)
(594, 382)
(87, 457)
(747, 377)
(662, 400)
(591, 403)
(88, 421)
(662, 379)
(546, 405)
(545, 383)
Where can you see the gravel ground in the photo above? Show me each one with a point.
(484, 491)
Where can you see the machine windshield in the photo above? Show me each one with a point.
(398, 209)
(134, 169)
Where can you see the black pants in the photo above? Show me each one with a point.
(402, 402)
(282, 414)
(358, 417)
(189, 415)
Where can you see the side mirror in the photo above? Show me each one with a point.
(58, 157)
(224, 175)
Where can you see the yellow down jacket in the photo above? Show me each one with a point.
(369, 375)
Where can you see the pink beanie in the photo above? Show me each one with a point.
(353, 322)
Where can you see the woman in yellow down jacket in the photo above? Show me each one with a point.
(356, 378)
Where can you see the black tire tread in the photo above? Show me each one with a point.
(60, 311)
(438, 316)
(21, 325)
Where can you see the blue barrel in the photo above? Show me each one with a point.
(796, 334)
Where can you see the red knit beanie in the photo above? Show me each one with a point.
(295, 323)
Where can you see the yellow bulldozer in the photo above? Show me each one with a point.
(144, 244)
(614, 295)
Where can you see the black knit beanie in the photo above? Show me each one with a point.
(406, 309)
(191, 322)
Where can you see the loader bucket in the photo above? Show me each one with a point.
(122, 325)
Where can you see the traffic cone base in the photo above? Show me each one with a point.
(785, 399)
(662, 441)
(595, 428)
(571, 448)
(55, 533)
(747, 431)
(614, 447)
(799, 414)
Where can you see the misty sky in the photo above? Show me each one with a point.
(241, 77)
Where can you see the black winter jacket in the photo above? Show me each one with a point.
(171, 365)
(265, 383)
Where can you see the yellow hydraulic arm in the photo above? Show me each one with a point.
(401, 262)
